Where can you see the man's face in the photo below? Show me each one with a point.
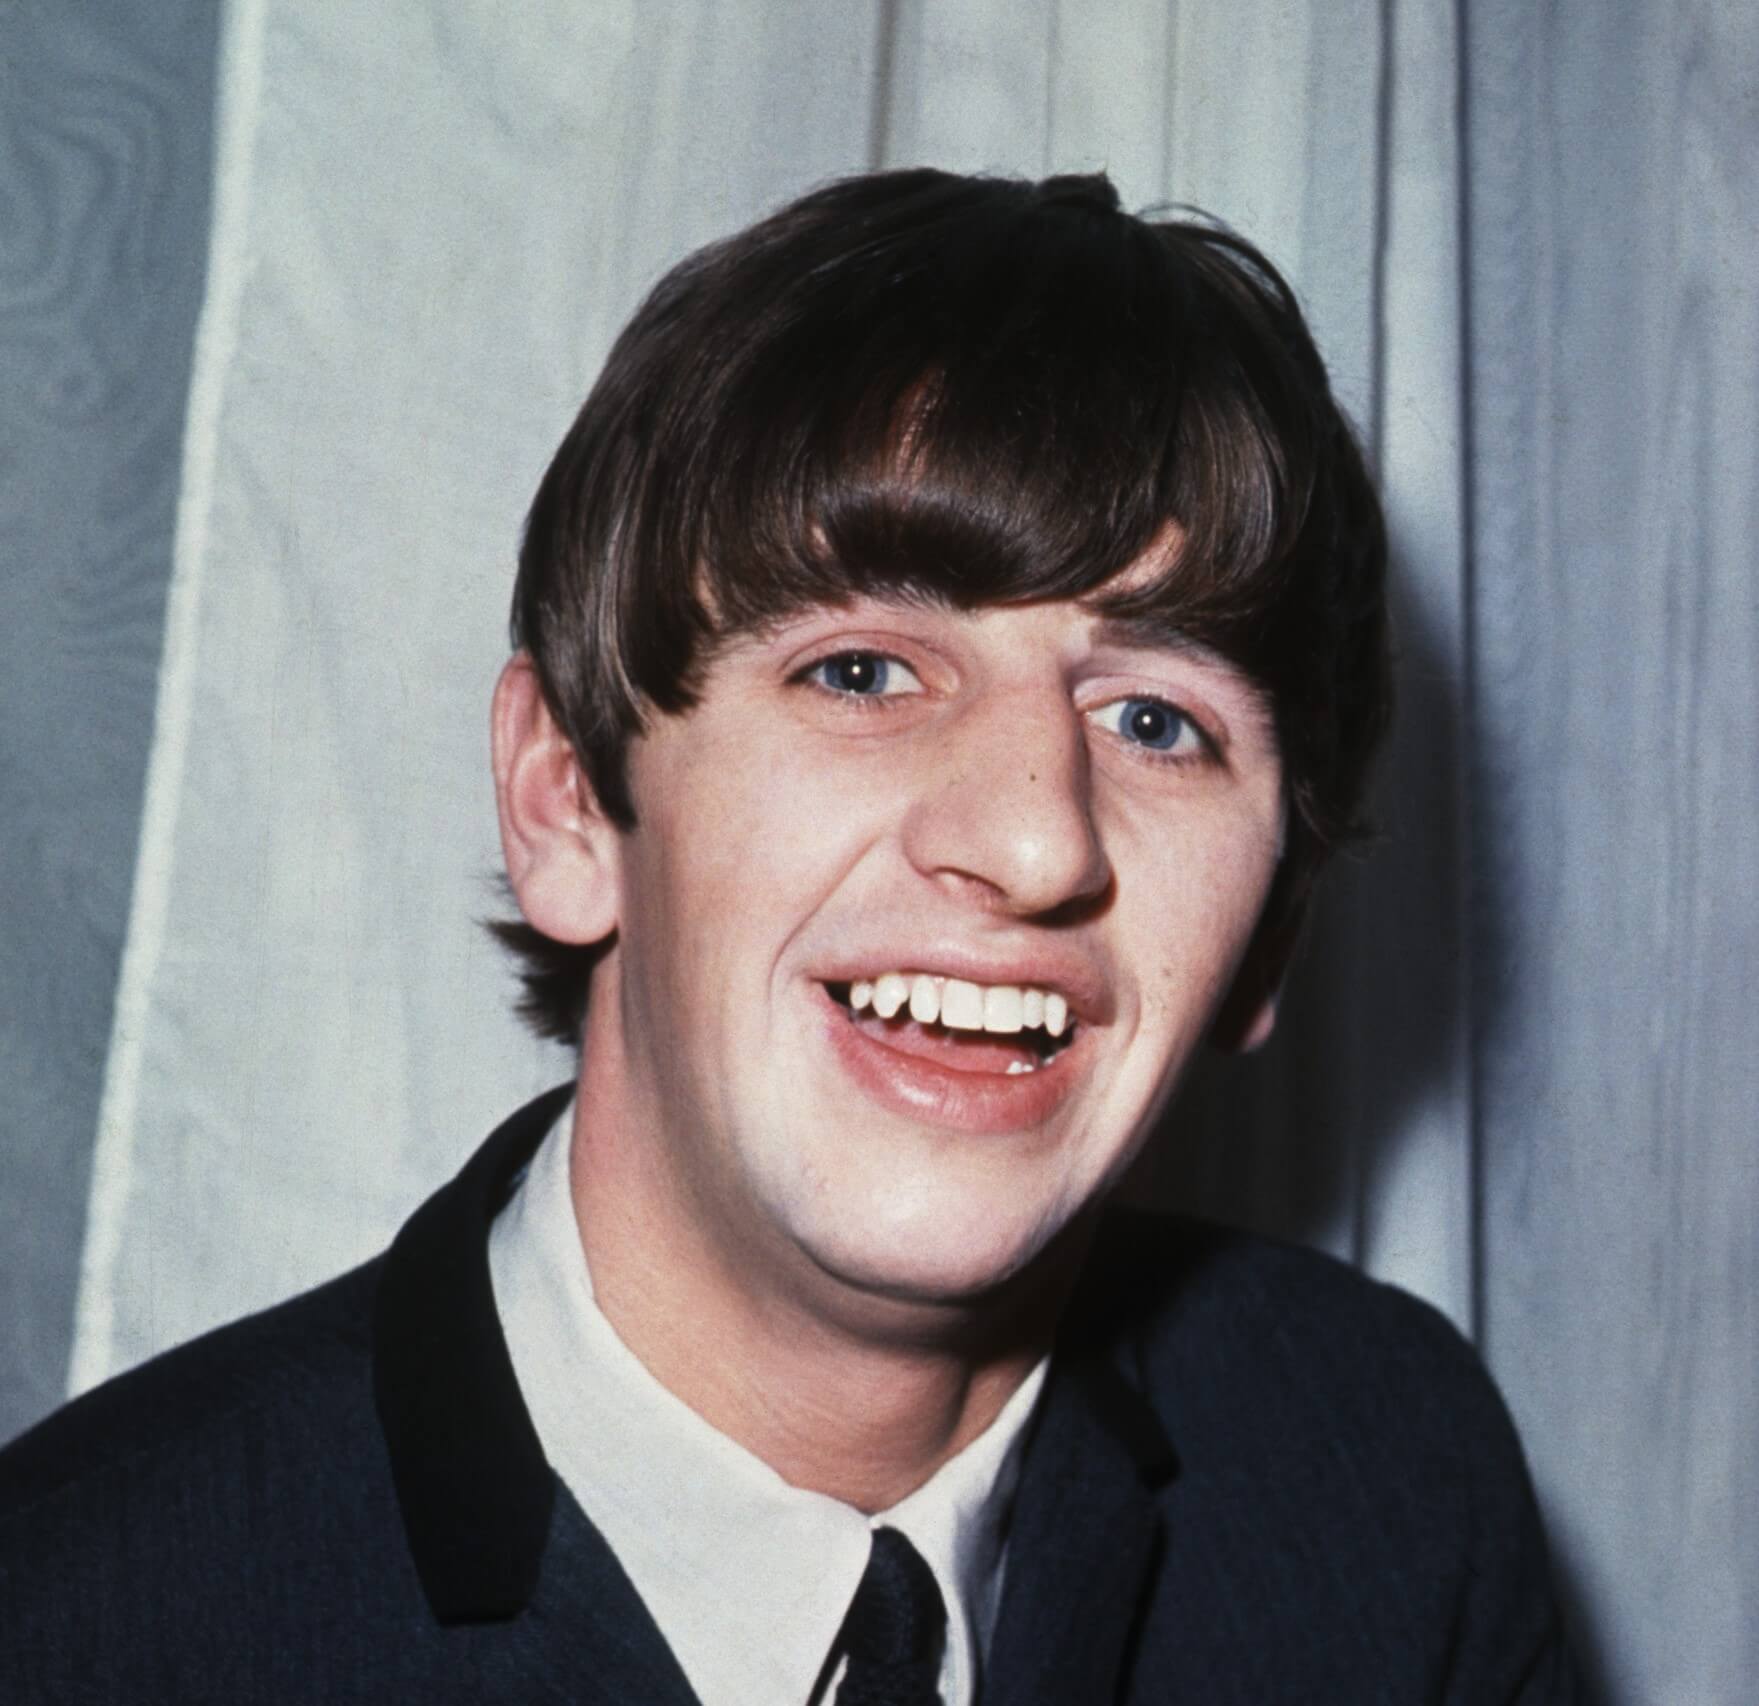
(1018, 799)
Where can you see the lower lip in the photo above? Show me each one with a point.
(987, 1104)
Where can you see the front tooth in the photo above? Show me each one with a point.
(1032, 1009)
(1003, 1008)
(925, 1000)
(962, 1005)
(890, 993)
(860, 993)
(1056, 1014)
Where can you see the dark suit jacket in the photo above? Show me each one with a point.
(1254, 1477)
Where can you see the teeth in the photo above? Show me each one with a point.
(961, 1005)
(1003, 1009)
(890, 993)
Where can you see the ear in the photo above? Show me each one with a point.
(563, 855)
(1247, 1015)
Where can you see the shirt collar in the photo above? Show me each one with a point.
(748, 1578)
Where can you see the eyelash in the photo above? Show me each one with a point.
(878, 702)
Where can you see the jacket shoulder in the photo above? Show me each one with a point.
(1283, 1367)
(1253, 1314)
(204, 1526)
(1345, 1465)
(258, 1375)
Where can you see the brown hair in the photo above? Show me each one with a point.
(978, 390)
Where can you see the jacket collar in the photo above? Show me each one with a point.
(472, 1481)
(477, 1493)
(1085, 1539)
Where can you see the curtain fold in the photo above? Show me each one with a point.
(1614, 392)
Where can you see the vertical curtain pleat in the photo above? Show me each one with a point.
(105, 136)
(1614, 381)
(1416, 1204)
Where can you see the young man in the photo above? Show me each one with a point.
(948, 644)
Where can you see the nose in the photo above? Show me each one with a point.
(1010, 810)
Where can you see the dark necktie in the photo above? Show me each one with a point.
(896, 1627)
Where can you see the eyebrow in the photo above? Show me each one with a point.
(1155, 634)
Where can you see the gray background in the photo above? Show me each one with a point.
(1569, 887)
(106, 125)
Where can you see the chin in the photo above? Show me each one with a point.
(937, 1257)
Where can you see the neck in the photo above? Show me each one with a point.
(857, 1396)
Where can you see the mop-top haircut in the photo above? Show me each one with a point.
(977, 391)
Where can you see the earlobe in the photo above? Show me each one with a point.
(1248, 1013)
(1250, 1029)
(562, 853)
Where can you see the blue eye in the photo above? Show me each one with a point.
(1150, 723)
(864, 675)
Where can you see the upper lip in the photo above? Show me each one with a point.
(1076, 980)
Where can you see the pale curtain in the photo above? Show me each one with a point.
(1517, 1073)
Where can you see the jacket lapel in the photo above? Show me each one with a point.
(492, 1534)
(599, 1633)
(1084, 1541)
(472, 1481)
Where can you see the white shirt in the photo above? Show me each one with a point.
(747, 1577)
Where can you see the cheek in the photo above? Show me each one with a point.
(1195, 910)
(741, 847)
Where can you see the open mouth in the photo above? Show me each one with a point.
(959, 1026)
